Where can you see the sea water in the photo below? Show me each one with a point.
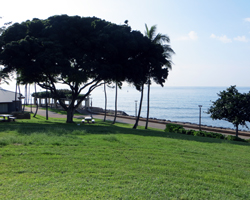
(170, 103)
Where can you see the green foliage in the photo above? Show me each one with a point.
(234, 138)
(160, 40)
(81, 53)
(231, 106)
(175, 128)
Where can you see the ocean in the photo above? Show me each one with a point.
(170, 103)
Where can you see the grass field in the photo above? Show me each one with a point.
(42, 159)
(59, 111)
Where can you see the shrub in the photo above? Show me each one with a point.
(190, 132)
(183, 131)
(21, 115)
(217, 135)
(209, 134)
(197, 133)
(234, 138)
(174, 128)
(205, 134)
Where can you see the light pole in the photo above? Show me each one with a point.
(46, 102)
(200, 117)
(135, 107)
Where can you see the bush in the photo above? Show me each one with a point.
(234, 138)
(21, 115)
(183, 131)
(190, 132)
(174, 128)
(197, 133)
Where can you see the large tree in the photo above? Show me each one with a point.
(3, 76)
(75, 51)
(231, 106)
(157, 38)
(56, 50)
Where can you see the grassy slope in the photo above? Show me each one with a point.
(54, 160)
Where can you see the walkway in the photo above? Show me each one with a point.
(152, 123)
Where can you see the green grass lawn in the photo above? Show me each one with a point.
(42, 159)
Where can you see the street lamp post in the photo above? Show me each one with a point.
(135, 108)
(46, 102)
(200, 117)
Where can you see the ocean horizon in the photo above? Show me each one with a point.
(169, 103)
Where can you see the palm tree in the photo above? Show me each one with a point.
(108, 84)
(26, 96)
(117, 85)
(35, 102)
(157, 39)
(105, 93)
(141, 89)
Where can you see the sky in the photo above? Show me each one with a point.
(211, 38)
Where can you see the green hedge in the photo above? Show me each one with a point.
(21, 115)
(176, 128)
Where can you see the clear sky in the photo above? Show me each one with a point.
(211, 38)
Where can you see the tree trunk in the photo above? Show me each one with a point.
(16, 98)
(70, 114)
(237, 130)
(35, 103)
(146, 126)
(25, 100)
(19, 97)
(139, 112)
(105, 111)
(30, 98)
(115, 103)
(46, 107)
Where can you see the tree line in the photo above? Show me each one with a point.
(82, 53)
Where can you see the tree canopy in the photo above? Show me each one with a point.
(232, 106)
(3, 76)
(80, 52)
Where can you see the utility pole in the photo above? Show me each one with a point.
(46, 103)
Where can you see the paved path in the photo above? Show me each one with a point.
(152, 123)
(118, 119)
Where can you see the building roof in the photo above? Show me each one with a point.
(7, 96)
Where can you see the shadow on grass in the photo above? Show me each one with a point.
(56, 125)
(58, 111)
